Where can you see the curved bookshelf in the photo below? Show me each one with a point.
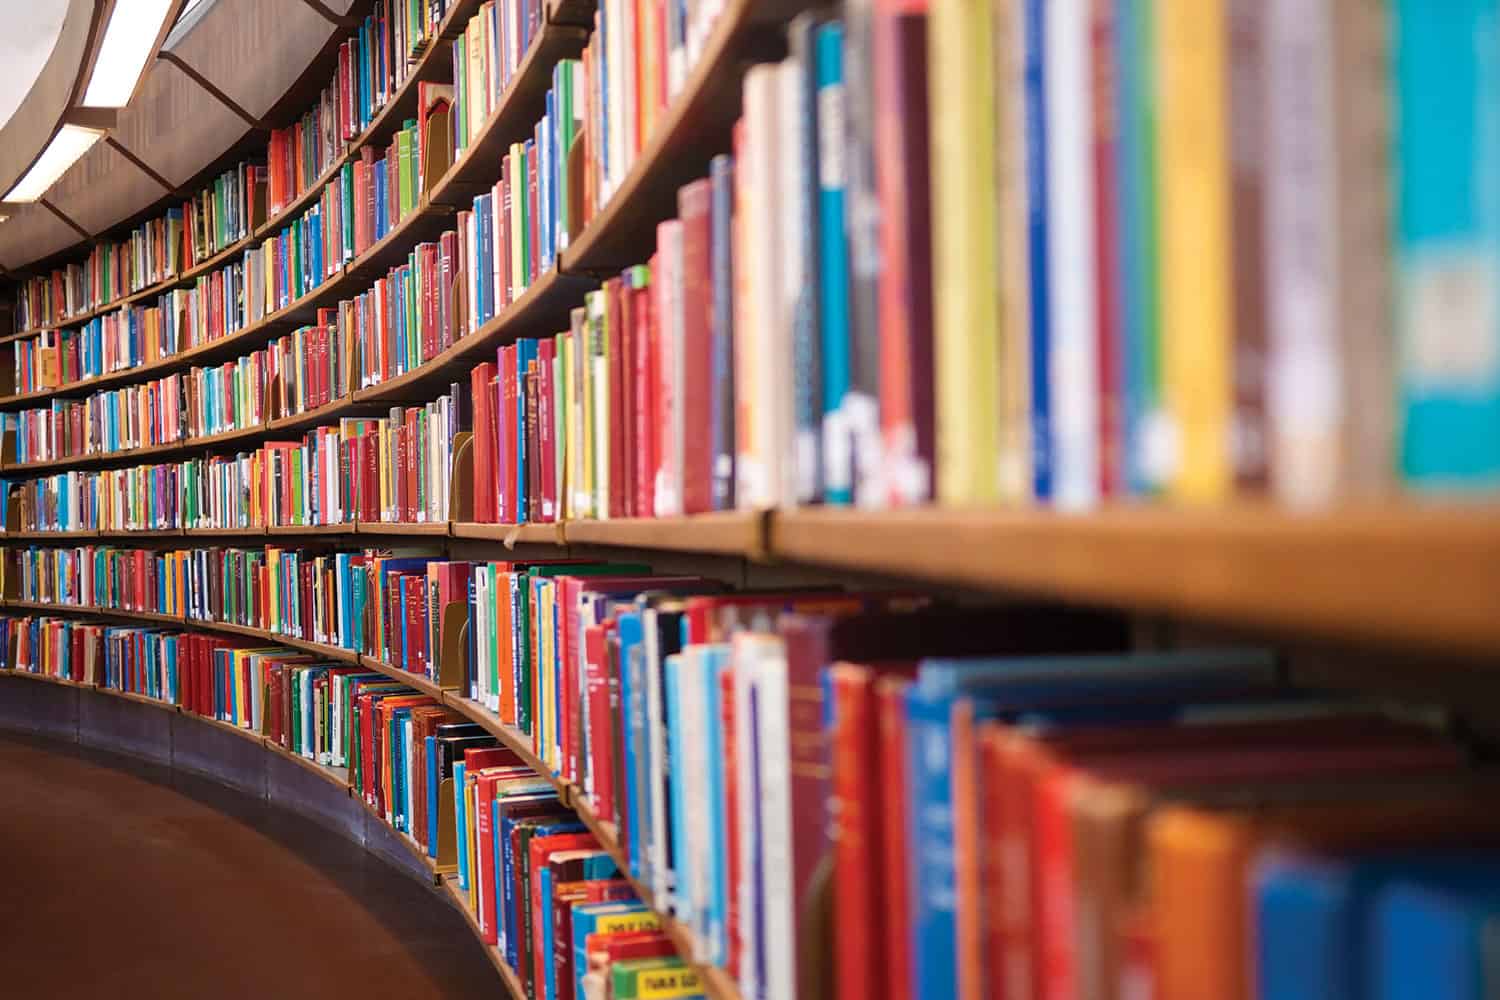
(1414, 577)
(336, 779)
(717, 982)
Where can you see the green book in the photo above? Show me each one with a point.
(657, 978)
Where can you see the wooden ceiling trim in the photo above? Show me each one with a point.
(342, 20)
(208, 85)
(64, 217)
(140, 164)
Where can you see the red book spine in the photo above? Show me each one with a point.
(483, 447)
(532, 235)
(860, 941)
(612, 290)
(643, 396)
(1107, 252)
(625, 345)
(484, 821)
(510, 446)
(694, 203)
(890, 709)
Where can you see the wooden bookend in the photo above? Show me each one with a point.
(447, 832)
(461, 482)
(460, 310)
(815, 947)
(577, 172)
(8, 446)
(13, 649)
(13, 509)
(437, 148)
(10, 576)
(454, 646)
(258, 204)
(8, 384)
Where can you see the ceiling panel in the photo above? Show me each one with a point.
(176, 126)
(254, 50)
(103, 188)
(31, 234)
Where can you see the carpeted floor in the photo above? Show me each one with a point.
(132, 881)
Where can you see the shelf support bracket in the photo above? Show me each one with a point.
(341, 20)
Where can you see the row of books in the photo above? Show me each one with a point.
(1205, 811)
(485, 57)
(158, 249)
(373, 63)
(297, 372)
(540, 886)
(637, 60)
(396, 468)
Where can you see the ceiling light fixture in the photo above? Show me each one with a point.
(133, 29)
(70, 143)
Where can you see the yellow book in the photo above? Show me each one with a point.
(1193, 172)
(584, 385)
(517, 219)
(966, 309)
(1015, 469)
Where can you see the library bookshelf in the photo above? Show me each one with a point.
(720, 987)
(1414, 577)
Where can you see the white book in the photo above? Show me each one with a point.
(615, 57)
(756, 339)
(1304, 384)
(600, 345)
(793, 458)
(1073, 361)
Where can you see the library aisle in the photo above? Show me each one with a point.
(183, 888)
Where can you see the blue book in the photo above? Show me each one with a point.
(526, 352)
(543, 828)
(1005, 688)
(484, 206)
(1437, 942)
(598, 918)
(807, 347)
(680, 899)
(461, 823)
(1036, 204)
(712, 925)
(630, 634)
(833, 267)
(434, 782)
(1447, 242)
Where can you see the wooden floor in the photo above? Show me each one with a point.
(133, 881)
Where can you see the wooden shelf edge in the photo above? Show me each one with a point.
(734, 532)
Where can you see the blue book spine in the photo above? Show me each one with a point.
(1305, 940)
(485, 282)
(833, 266)
(1447, 82)
(711, 923)
(934, 955)
(460, 824)
(509, 921)
(525, 354)
(1036, 204)
(549, 983)
(1434, 942)
(628, 630)
(680, 898)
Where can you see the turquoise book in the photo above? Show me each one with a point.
(1447, 193)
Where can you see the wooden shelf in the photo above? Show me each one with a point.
(422, 683)
(460, 899)
(1413, 576)
(733, 532)
(509, 534)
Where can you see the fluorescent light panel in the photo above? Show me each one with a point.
(70, 143)
(133, 27)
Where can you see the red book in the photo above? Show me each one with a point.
(498, 420)
(624, 343)
(416, 625)
(905, 293)
(616, 498)
(483, 443)
(1107, 251)
(730, 736)
(511, 444)
(890, 713)
(541, 849)
(694, 203)
(643, 393)
(600, 764)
